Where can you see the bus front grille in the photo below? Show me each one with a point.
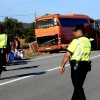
(47, 41)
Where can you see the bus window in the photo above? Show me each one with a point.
(46, 23)
(72, 22)
(95, 25)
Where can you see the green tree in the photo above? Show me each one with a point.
(30, 37)
(13, 28)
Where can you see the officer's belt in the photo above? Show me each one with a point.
(78, 61)
(74, 62)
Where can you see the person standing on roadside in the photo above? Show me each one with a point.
(78, 54)
(3, 48)
(17, 43)
(8, 50)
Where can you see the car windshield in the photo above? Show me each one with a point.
(46, 23)
(72, 22)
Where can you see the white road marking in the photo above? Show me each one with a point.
(56, 68)
(1, 84)
(15, 80)
(51, 56)
(69, 64)
(95, 56)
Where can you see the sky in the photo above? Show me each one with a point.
(41, 7)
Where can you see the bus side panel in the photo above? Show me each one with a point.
(66, 35)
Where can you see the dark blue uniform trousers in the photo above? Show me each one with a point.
(78, 77)
(2, 61)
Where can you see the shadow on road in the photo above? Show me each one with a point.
(21, 62)
(22, 68)
(24, 75)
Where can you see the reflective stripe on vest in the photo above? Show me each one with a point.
(80, 54)
(3, 40)
(80, 50)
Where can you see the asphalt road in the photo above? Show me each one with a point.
(39, 79)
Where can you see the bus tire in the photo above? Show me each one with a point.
(55, 51)
(93, 46)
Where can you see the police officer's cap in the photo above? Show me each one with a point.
(79, 27)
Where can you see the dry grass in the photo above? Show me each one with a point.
(23, 43)
(28, 53)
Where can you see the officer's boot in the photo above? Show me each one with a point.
(4, 68)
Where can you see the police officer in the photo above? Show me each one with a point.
(78, 53)
(3, 48)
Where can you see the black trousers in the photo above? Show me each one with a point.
(78, 77)
(2, 61)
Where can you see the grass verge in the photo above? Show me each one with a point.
(28, 53)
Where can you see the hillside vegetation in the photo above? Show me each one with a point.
(14, 28)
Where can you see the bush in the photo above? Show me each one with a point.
(29, 39)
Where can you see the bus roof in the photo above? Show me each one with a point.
(63, 16)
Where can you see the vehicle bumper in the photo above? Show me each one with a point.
(52, 48)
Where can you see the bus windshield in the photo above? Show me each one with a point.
(72, 22)
(46, 23)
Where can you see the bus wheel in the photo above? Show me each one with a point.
(98, 47)
(94, 46)
(51, 52)
(55, 51)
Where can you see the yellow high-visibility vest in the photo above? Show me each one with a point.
(80, 49)
(3, 40)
